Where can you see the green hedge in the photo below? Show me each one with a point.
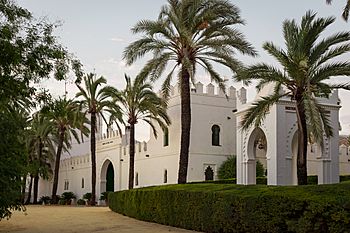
(214, 207)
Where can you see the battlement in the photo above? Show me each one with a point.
(108, 135)
(210, 90)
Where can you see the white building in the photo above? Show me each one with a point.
(213, 139)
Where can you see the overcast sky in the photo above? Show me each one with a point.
(98, 31)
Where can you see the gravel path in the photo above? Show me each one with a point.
(60, 219)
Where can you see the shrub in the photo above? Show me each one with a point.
(45, 199)
(211, 207)
(104, 196)
(62, 202)
(87, 197)
(81, 202)
(260, 170)
(67, 197)
(227, 170)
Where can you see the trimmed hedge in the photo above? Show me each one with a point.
(214, 207)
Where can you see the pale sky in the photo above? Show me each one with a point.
(98, 31)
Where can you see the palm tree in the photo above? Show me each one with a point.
(307, 66)
(94, 102)
(139, 102)
(66, 118)
(346, 9)
(41, 149)
(189, 34)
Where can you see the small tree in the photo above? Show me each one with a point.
(260, 170)
(227, 169)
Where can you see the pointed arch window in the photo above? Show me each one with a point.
(82, 183)
(209, 173)
(215, 135)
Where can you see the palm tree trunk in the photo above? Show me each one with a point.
(36, 177)
(30, 190)
(302, 144)
(36, 187)
(23, 189)
(185, 126)
(93, 158)
(132, 156)
(57, 167)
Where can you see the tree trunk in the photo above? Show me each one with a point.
(36, 177)
(23, 189)
(93, 158)
(302, 143)
(30, 190)
(132, 156)
(57, 167)
(36, 187)
(185, 126)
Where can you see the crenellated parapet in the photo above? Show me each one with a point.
(208, 90)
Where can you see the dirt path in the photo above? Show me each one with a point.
(60, 219)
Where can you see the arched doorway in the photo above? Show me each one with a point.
(110, 178)
(209, 173)
(107, 177)
(257, 155)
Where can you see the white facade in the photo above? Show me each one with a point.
(155, 163)
(279, 133)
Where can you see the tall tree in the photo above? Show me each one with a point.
(67, 119)
(346, 9)
(40, 143)
(189, 34)
(95, 102)
(139, 102)
(308, 64)
(29, 52)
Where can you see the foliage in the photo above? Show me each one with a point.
(29, 52)
(68, 196)
(189, 35)
(227, 170)
(346, 9)
(87, 196)
(12, 160)
(139, 103)
(260, 170)
(307, 64)
(237, 208)
(81, 202)
(67, 118)
(95, 102)
(45, 199)
(104, 196)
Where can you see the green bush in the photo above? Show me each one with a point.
(87, 196)
(81, 202)
(104, 196)
(260, 170)
(211, 207)
(227, 170)
(45, 199)
(62, 202)
(67, 197)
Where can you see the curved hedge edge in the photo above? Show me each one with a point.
(236, 208)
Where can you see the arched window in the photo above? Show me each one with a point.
(215, 135)
(165, 176)
(209, 173)
(82, 183)
(136, 179)
(166, 137)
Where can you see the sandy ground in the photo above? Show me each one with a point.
(60, 219)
